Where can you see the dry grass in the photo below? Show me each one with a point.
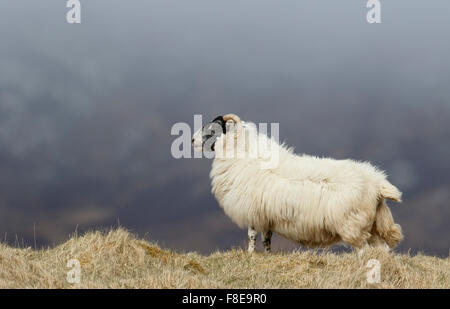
(119, 260)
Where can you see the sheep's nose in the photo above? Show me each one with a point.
(192, 141)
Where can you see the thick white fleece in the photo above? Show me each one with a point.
(310, 200)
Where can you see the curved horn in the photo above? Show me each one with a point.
(236, 120)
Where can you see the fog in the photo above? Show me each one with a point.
(86, 109)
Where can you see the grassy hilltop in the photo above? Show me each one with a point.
(118, 259)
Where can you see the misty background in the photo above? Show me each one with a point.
(86, 110)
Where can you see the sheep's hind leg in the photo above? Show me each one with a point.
(376, 241)
(360, 250)
(267, 237)
(252, 234)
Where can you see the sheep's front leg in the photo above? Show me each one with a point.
(252, 233)
(267, 237)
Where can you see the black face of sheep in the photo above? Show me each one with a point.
(209, 134)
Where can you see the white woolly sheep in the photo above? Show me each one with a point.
(313, 201)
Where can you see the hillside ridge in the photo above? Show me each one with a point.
(118, 259)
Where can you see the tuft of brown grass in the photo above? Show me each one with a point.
(194, 267)
(118, 259)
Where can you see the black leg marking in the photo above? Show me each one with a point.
(252, 234)
(267, 237)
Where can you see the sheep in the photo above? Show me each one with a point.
(315, 202)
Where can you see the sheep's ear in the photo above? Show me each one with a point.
(219, 120)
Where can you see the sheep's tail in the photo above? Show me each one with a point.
(389, 191)
(385, 226)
